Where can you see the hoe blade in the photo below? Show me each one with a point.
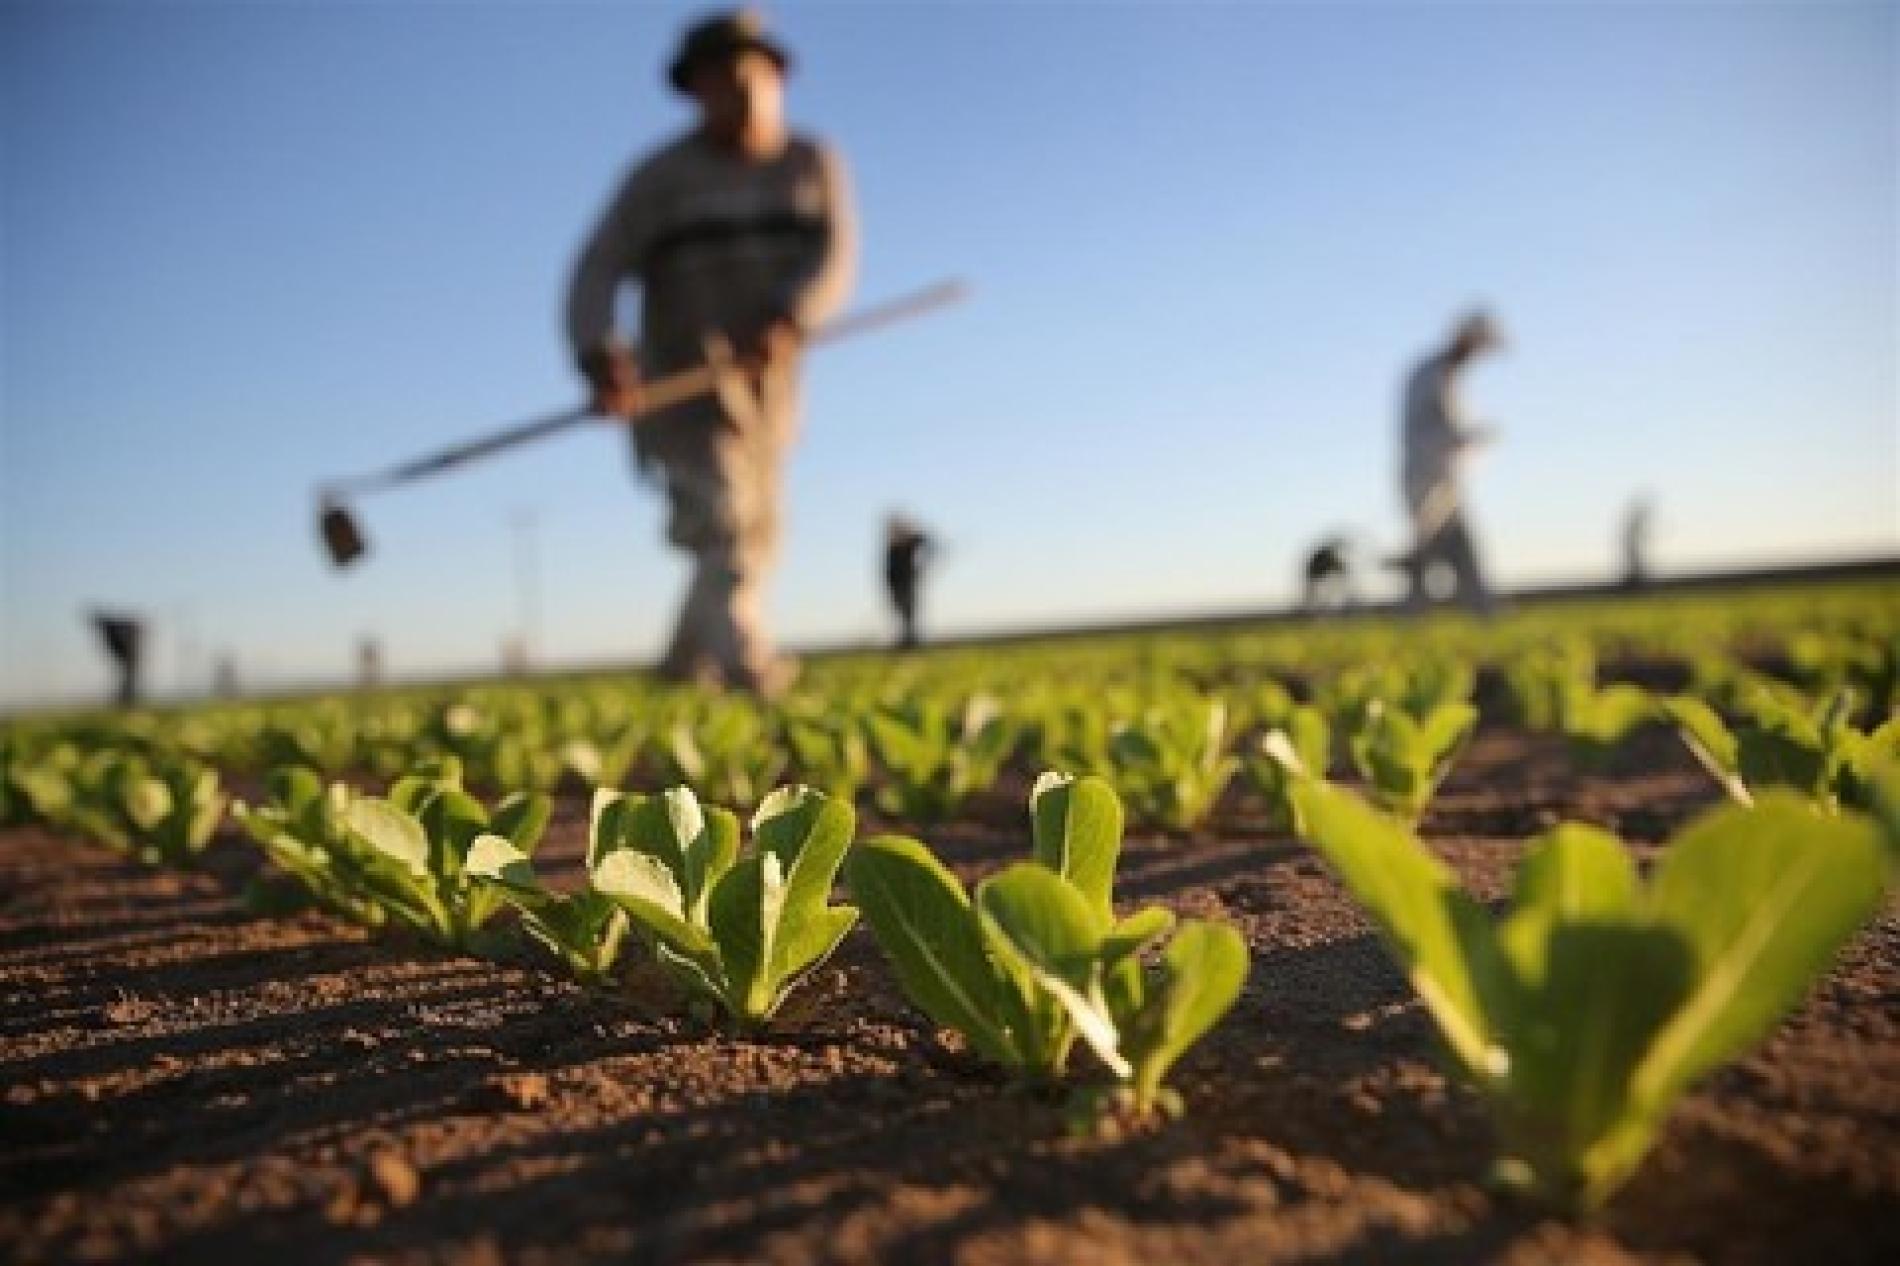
(342, 539)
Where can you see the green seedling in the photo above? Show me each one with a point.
(321, 737)
(934, 759)
(1404, 759)
(1587, 1010)
(1172, 765)
(1305, 733)
(742, 931)
(727, 752)
(831, 753)
(1418, 687)
(1038, 957)
(37, 782)
(1597, 720)
(587, 931)
(1077, 735)
(501, 742)
(301, 830)
(405, 853)
(604, 760)
(161, 809)
(1541, 681)
(1819, 754)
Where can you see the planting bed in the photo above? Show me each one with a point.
(186, 1081)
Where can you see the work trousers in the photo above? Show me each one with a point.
(1450, 546)
(725, 512)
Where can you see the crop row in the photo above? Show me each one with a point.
(1171, 749)
(1100, 705)
(1579, 1013)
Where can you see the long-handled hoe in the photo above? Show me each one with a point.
(342, 535)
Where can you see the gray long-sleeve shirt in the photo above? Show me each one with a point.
(1436, 437)
(718, 244)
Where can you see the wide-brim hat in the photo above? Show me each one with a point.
(723, 35)
(1480, 329)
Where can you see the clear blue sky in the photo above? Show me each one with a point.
(251, 246)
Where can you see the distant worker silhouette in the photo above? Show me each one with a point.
(124, 639)
(1326, 580)
(740, 235)
(907, 553)
(1638, 522)
(369, 663)
(1437, 439)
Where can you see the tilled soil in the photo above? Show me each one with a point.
(184, 1081)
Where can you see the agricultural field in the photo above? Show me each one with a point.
(1568, 937)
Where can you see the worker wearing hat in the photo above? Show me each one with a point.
(908, 552)
(740, 235)
(1437, 441)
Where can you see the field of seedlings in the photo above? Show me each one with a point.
(1565, 937)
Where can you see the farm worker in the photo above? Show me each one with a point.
(907, 549)
(740, 235)
(124, 639)
(1327, 576)
(1437, 438)
(1638, 521)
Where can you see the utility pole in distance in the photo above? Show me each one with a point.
(527, 585)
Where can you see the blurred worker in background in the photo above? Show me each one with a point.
(1437, 438)
(1326, 582)
(225, 681)
(124, 640)
(907, 551)
(369, 663)
(1638, 522)
(740, 235)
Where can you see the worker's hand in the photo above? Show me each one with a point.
(777, 339)
(614, 381)
(783, 339)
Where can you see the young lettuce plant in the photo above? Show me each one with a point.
(1349, 693)
(406, 853)
(741, 931)
(321, 736)
(934, 762)
(1597, 1001)
(1404, 759)
(521, 762)
(1820, 755)
(726, 752)
(1711, 741)
(501, 740)
(37, 782)
(1038, 958)
(1418, 687)
(1173, 764)
(387, 737)
(159, 808)
(587, 931)
(1262, 704)
(1436, 681)
(830, 752)
(1305, 732)
(1596, 720)
(1864, 660)
(1540, 681)
(605, 759)
(426, 827)
(301, 830)
(1077, 735)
